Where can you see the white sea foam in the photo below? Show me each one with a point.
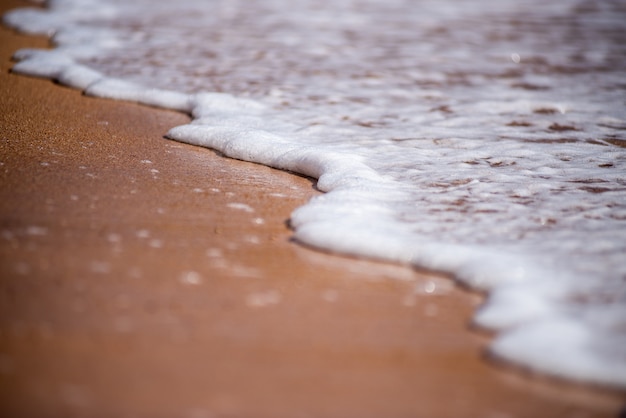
(477, 138)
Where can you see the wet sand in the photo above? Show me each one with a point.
(146, 278)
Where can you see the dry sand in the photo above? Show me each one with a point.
(145, 278)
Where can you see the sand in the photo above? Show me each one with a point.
(141, 277)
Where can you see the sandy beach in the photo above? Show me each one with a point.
(141, 277)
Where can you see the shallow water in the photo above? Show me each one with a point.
(484, 140)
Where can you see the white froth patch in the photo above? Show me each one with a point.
(434, 286)
(244, 271)
(191, 278)
(565, 348)
(214, 253)
(135, 273)
(37, 231)
(114, 238)
(330, 295)
(241, 206)
(100, 267)
(252, 239)
(514, 305)
(143, 233)
(263, 299)
(156, 243)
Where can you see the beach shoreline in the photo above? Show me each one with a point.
(143, 277)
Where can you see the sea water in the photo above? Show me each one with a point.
(482, 139)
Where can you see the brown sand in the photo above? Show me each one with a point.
(130, 288)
